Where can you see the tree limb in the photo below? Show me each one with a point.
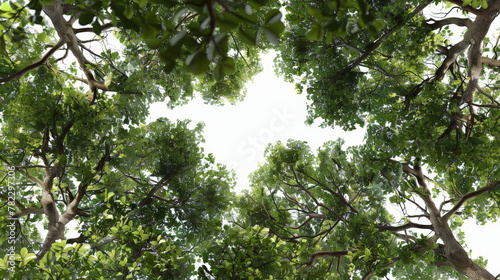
(18, 204)
(67, 34)
(28, 211)
(465, 22)
(373, 46)
(483, 92)
(320, 254)
(35, 65)
(309, 217)
(89, 29)
(469, 8)
(490, 186)
(404, 227)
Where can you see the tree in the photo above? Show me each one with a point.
(431, 110)
(149, 203)
(75, 145)
(331, 211)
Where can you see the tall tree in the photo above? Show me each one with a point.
(330, 215)
(149, 203)
(428, 100)
(76, 82)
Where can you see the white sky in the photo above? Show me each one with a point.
(238, 134)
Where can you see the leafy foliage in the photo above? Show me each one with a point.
(150, 204)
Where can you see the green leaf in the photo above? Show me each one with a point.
(178, 37)
(257, 3)
(43, 37)
(271, 36)
(248, 37)
(197, 63)
(85, 18)
(378, 24)
(228, 22)
(315, 33)
(150, 30)
(153, 42)
(96, 26)
(129, 12)
(5, 7)
(225, 68)
(277, 28)
(316, 13)
(169, 66)
(273, 16)
(24, 252)
(29, 257)
(242, 14)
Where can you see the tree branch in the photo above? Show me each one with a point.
(465, 22)
(320, 254)
(67, 34)
(490, 61)
(405, 227)
(373, 46)
(490, 186)
(35, 65)
(309, 217)
(89, 29)
(33, 178)
(155, 188)
(18, 204)
(483, 92)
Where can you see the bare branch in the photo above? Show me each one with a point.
(314, 197)
(100, 56)
(416, 172)
(155, 188)
(67, 34)
(405, 237)
(34, 179)
(490, 61)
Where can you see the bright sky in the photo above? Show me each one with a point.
(272, 111)
(238, 134)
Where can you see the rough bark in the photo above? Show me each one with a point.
(456, 255)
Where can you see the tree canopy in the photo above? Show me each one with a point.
(76, 82)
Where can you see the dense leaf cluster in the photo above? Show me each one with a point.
(76, 82)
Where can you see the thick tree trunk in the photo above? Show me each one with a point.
(458, 257)
(56, 229)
